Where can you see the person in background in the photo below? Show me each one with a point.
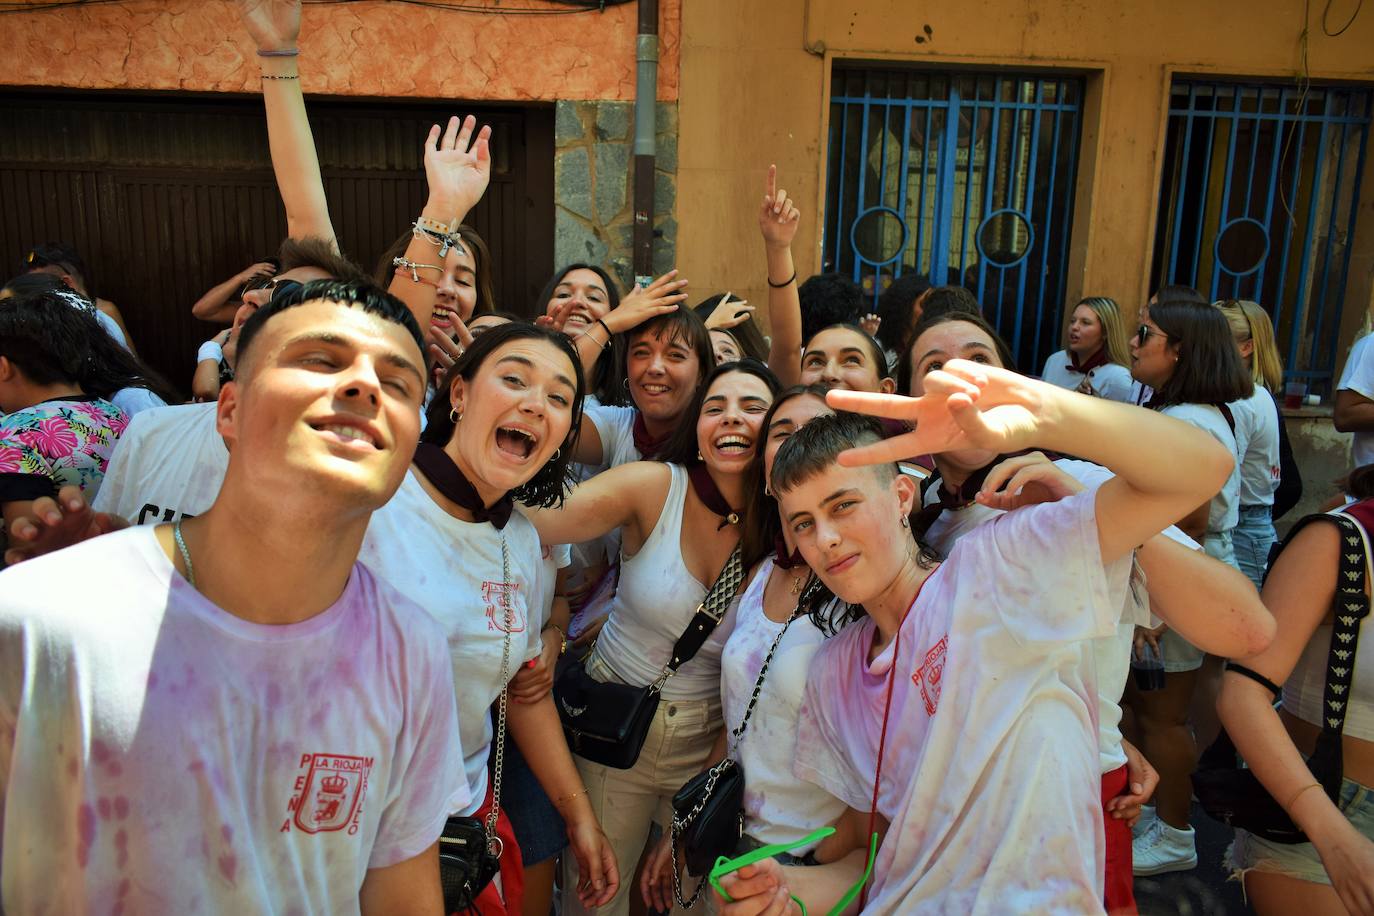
(1096, 356)
(826, 300)
(221, 301)
(899, 308)
(1260, 438)
(734, 334)
(1353, 411)
(64, 262)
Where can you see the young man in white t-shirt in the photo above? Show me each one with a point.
(251, 721)
(957, 716)
(1354, 410)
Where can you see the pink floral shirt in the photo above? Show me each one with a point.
(58, 442)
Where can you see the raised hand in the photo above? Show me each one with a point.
(556, 319)
(260, 269)
(1026, 480)
(457, 166)
(870, 322)
(778, 216)
(729, 313)
(444, 350)
(965, 405)
(645, 302)
(274, 25)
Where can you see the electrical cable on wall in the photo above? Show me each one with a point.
(492, 7)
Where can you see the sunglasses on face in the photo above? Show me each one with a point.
(1144, 331)
(275, 285)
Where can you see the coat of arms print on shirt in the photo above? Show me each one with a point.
(328, 796)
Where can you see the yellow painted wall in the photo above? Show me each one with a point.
(755, 87)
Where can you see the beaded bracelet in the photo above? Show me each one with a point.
(414, 267)
(401, 272)
(294, 76)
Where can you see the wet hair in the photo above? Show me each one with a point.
(746, 334)
(942, 300)
(1115, 338)
(47, 339)
(363, 294)
(320, 254)
(761, 525)
(681, 447)
(683, 325)
(549, 485)
(875, 349)
(1209, 368)
(60, 255)
(906, 365)
(1249, 321)
(608, 373)
(481, 261)
(897, 310)
(826, 300)
(109, 366)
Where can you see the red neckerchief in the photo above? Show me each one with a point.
(706, 490)
(441, 471)
(781, 558)
(648, 446)
(1097, 359)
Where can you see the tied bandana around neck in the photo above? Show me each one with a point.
(710, 495)
(1097, 359)
(781, 558)
(440, 470)
(648, 446)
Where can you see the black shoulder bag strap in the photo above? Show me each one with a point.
(709, 613)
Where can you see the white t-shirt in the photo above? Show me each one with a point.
(160, 755)
(112, 328)
(777, 806)
(1111, 654)
(1225, 509)
(1257, 442)
(170, 462)
(136, 400)
(452, 569)
(1111, 380)
(1358, 376)
(990, 777)
(615, 426)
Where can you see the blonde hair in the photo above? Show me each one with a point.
(1249, 321)
(1114, 336)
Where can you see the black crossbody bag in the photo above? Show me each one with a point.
(606, 722)
(1228, 791)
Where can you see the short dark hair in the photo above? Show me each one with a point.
(47, 338)
(817, 446)
(681, 447)
(828, 299)
(322, 255)
(549, 485)
(680, 324)
(59, 254)
(361, 293)
(906, 363)
(746, 333)
(481, 259)
(945, 299)
(1209, 368)
(1177, 292)
(761, 523)
(897, 309)
(875, 349)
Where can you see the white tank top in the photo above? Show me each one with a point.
(655, 600)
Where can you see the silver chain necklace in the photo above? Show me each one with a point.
(494, 845)
(185, 554)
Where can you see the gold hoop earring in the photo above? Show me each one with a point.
(556, 452)
(455, 415)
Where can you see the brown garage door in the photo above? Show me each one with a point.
(166, 196)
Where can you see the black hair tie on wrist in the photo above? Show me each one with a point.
(787, 282)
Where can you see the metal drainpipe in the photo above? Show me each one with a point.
(646, 95)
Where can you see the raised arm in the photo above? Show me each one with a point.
(778, 221)
(629, 496)
(970, 405)
(274, 26)
(221, 301)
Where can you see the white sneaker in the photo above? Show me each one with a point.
(1145, 822)
(1164, 849)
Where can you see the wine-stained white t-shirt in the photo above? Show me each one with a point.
(159, 755)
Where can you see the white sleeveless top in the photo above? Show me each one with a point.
(656, 599)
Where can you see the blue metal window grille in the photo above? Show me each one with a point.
(1258, 201)
(967, 178)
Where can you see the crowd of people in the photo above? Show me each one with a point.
(418, 606)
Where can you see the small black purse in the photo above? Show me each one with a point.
(708, 811)
(1231, 793)
(606, 722)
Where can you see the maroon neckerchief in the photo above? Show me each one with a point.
(648, 446)
(1097, 359)
(706, 490)
(440, 470)
(893, 428)
(781, 558)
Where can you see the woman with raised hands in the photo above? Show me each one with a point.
(981, 768)
(678, 519)
(1096, 358)
(500, 430)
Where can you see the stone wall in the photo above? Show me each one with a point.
(593, 185)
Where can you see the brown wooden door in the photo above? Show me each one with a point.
(165, 196)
